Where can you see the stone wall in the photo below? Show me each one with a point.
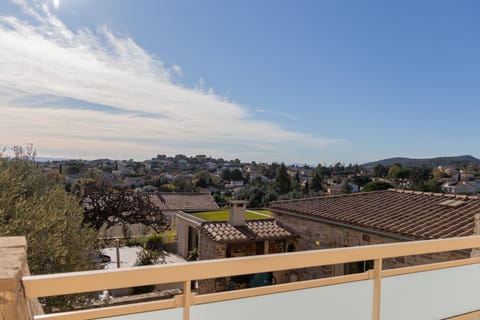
(209, 249)
(318, 235)
(13, 304)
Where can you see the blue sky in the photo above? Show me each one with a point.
(293, 81)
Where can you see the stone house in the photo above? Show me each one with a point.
(234, 184)
(337, 188)
(377, 217)
(461, 187)
(234, 238)
(134, 182)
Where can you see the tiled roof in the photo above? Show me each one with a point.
(184, 201)
(411, 214)
(223, 231)
(267, 229)
(256, 230)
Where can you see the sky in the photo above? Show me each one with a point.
(271, 80)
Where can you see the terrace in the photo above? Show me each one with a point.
(446, 290)
(224, 215)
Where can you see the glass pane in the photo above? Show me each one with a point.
(432, 294)
(342, 301)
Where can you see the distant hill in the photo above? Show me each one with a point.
(46, 159)
(430, 162)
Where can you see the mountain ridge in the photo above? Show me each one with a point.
(428, 162)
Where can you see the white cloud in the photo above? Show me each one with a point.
(281, 114)
(177, 69)
(44, 63)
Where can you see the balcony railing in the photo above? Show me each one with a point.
(446, 290)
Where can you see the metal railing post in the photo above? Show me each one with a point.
(187, 293)
(377, 288)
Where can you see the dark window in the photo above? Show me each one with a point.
(366, 237)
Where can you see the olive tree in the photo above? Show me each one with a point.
(35, 204)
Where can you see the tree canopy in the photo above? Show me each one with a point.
(202, 179)
(258, 196)
(109, 208)
(380, 171)
(396, 172)
(346, 187)
(283, 183)
(376, 186)
(35, 204)
(317, 179)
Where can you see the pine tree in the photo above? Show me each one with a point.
(283, 183)
(306, 188)
(317, 180)
(346, 188)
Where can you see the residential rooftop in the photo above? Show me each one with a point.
(409, 214)
(258, 230)
(184, 201)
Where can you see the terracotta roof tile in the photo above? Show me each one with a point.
(255, 230)
(184, 201)
(413, 214)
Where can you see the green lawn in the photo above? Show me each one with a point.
(223, 215)
(266, 212)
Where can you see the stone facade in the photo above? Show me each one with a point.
(319, 235)
(209, 249)
(13, 304)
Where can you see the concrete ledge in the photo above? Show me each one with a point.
(13, 242)
(13, 251)
(13, 304)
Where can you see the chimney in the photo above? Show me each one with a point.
(237, 212)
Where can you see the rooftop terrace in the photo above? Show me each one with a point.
(223, 215)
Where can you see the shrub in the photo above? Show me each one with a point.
(155, 242)
(136, 242)
(145, 258)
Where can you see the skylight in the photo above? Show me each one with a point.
(452, 203)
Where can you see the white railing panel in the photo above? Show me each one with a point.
(432, 295)
(342, 301)
(169, 314)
